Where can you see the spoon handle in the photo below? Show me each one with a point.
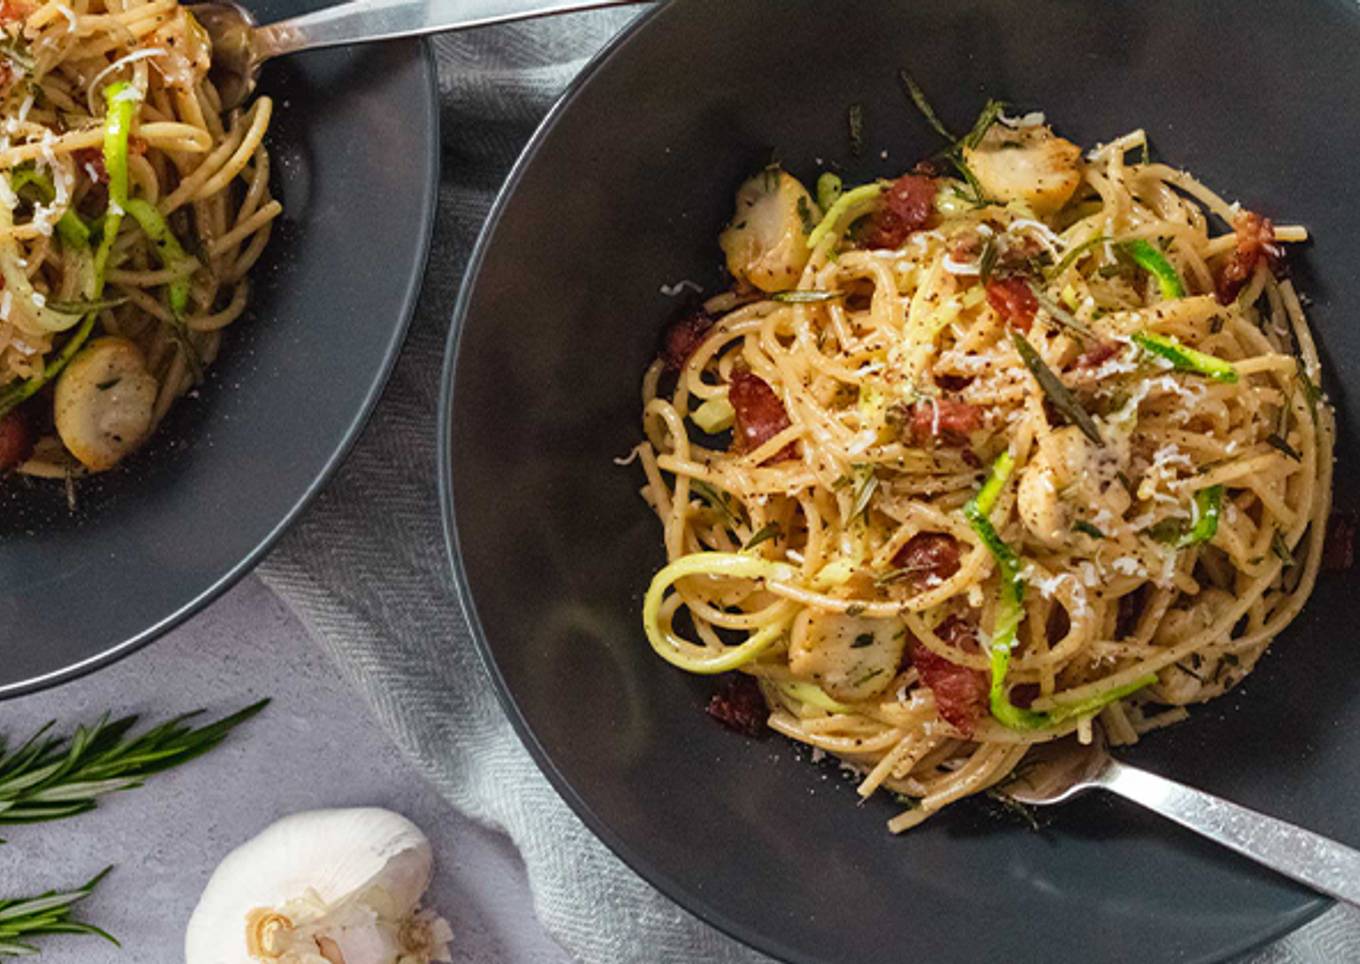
(1310, 858)
(362, 20)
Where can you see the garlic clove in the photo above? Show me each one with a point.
(323, 887)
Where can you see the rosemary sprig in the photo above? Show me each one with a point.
(52, 777)
(48, 913)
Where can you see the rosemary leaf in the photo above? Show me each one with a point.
(716, 499)
(771, 531)
(52, 777)
(805, 297)
(1063, 400)
(855, 118)
(48, 913)
(1060, 314)
(918, 97)
(1277, 441)
(987, 261)
(865, 487)
(1281, 549)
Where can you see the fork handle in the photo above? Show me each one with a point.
(363, 20)
(1310, 858)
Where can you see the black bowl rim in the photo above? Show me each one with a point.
(406, 311)
(638, 862)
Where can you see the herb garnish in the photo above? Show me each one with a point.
(805, 297)
(1060, 314)
(1281, 549)
(48, 913)
(855, 118)
(1063, 400)
(865, 486)
(863, 640)
(1081, 525)
(771, 531)
(1277, 441)
(987, 261)
(51, 777)
(715, 498)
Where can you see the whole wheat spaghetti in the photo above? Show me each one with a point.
(1011, 451)
(132, 208)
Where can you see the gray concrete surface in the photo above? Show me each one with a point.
(316, 746)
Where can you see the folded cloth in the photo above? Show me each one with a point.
(366, 571)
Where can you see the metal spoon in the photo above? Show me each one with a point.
(1065, 769)
(240, 46)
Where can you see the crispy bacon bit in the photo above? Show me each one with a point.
(12, 10)
(907, 206)
(931, 557)
(682, 337)
(944, 418)
(1255, 240)
(1338, 547)
(1014, 301)
(16, 439)
(760, 415)
(739, 705)
(953, 383)
(960, 692)
(90, 161)
(1098, 354)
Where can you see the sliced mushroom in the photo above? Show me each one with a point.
(850, 657)
(104, 402)
(1028, 164)
(766, 243)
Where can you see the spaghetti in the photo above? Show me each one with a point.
(132, 208)
(1011, 452)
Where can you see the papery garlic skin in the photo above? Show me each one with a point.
(323, 887)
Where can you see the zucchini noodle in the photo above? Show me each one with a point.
(132, 210)
(1025, 467)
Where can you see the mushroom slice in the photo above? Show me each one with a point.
(104, 402)
(851, 657)
(1028, 164)
(766, 243)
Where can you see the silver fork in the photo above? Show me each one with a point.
(240, 46)
(1066, 769)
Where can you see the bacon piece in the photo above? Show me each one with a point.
(1255, 240)
(760, 415)
(16, 439)
(960, 692)
(1098, 354)
(906, 206)
(1014, 301)
(90, 161)
(1338, 546)
(931, 557)
(739, 705)
(12, 10)
(682, 337)
(944, 418)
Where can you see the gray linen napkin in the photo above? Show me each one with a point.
(365, 568)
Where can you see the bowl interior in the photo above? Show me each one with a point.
(354, 157)
(624, 191)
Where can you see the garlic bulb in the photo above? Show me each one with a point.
(324, 887)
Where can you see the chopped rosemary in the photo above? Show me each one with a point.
(715, 498)
(1063, 400)
(918, 97)
(865, 487)
(1281, 549)
(855, 119)
(765, 534)
(987, 261)
(1277, 441)
(1081, 525)
(1060, 314)
(805, 297)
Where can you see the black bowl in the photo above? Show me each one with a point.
(624, 189)
(354, 144)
